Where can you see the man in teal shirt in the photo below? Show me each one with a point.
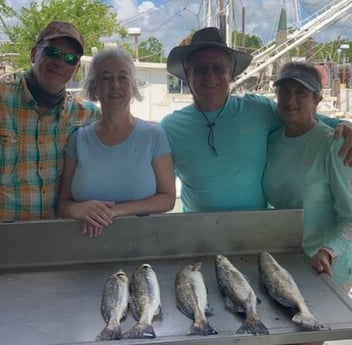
(219, 143)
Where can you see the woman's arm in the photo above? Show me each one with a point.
(96, 213)
(339, 241)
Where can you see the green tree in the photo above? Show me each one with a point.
(324, 51)
(151, 50)
(331, 51)
(251, 42)
(246, 41)
(5, 10)
(93, 18)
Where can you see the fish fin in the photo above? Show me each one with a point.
(252, 327)
(158, 315)
(309, 322)
(139, 331)
(208, 311)
(204, 329)
(233, 307)
(124, 315)
(109, 333)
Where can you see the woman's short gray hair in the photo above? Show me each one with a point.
(88, 84)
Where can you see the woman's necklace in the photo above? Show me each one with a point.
(210, 125)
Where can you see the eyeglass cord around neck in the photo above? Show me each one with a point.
(210, 125)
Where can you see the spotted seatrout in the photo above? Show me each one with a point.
(114, 305)
(282, 288)
(144, 302)
(192, 300)
(239, 296)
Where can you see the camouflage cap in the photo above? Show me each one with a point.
(58, 29)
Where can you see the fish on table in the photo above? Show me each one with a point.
(282, 288)
(239, 296)
(144, 302)
(114, 305)
(192, 299)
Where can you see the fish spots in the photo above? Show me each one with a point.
(191, 299)
(239, 296)
(282, 288)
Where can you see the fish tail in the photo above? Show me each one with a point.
(255, 327)
(204, 329)
(109, 333)
(307, 320)
(139, 331)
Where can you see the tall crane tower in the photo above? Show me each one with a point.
(296, 14)
(272, 51)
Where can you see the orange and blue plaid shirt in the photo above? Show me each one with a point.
(31, 150)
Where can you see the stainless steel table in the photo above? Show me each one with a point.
(52, 277)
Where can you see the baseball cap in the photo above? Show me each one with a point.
(304, 73)
(58, 29)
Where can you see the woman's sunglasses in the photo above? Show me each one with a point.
(55, 53)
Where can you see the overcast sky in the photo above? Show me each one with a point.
(171, 20)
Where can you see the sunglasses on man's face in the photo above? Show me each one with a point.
(55, 53)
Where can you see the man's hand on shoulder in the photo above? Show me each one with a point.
(344, 130)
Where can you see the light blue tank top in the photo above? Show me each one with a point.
(116, 173)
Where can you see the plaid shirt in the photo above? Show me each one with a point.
(31, 150)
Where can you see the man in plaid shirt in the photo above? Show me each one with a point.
(36, 117)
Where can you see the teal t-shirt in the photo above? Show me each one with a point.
(306, 172)
(232, 179)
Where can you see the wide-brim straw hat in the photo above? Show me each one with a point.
(209, 37)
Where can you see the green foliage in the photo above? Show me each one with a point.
(93, 18)
(151, 50)
(332, 52)
(6, 10)
(246, 41)
(324, 52)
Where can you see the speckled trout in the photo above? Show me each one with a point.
(282, 288)
(114, 305)
(192, 299)
(144, 302)
(239, 296)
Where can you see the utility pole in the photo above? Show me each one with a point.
(208, 17)
(243, 26)
(221, 19)
(135, 32)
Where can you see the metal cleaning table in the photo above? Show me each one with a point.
(52, 277)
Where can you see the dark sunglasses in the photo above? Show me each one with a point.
(218, 69)
(55, 53)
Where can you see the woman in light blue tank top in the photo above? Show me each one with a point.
(119, 165)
